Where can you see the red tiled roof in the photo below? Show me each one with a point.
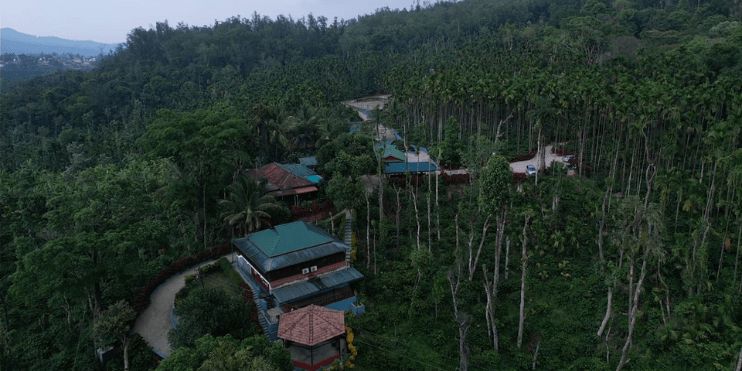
(294, 191)
(303, 190)
(279, 177)
(311, 325)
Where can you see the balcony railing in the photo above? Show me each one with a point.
(247, 267)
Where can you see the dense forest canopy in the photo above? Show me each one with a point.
(108, 176)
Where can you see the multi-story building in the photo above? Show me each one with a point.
(294, 265)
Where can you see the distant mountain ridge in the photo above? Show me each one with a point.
(16, 42)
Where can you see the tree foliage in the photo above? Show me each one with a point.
(228, 353)
(112, 327)
(210, 311)
(248, 208)
(108, 176)
(495, 185)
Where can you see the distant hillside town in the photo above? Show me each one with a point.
(15, 68)
(66, 61)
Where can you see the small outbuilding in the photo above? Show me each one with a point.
(314, 336)
(291, 183)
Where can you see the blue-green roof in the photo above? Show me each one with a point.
(308, 161)
(314, 178)
(286, 238)
(298, 170)
(304, 289)
(414, 167)
(298, 246)
(391, 151)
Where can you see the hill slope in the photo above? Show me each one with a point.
(20, 43)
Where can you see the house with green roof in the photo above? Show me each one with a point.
(390, 153)
(295, 265)
(397, 162)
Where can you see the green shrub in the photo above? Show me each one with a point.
(209, 268)
(211, 311)
(340, 228)
(182, 293)
(226, 267)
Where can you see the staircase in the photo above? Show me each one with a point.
(256, 300)
(264, 324)
(261, 309)
(268, 303)
(261, 318)
(348, 234)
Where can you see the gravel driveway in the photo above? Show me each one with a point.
(154, 321)
(520, 166)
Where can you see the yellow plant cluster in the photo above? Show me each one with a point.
(353, 353)
(354, 247)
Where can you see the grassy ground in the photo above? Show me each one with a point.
(223, 276)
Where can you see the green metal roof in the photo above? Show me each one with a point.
(304, 289)
(414, 167)
(298, 170)
(286, 238)
(391, 150)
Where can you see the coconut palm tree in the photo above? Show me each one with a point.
(247, 207)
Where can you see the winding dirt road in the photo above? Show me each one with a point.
(154, 321)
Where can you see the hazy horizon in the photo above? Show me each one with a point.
(110, 22)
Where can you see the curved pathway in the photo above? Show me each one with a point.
(154, 321)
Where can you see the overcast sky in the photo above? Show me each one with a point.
(109, 21)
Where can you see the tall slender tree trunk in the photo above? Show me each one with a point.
(507, 256)
(413, 192)
(667, 295)
(608, 312)
(726, 234)
(461, 319)
(437, 210)
(368, 231)
(126, 354)
(500, 220)
(203, 199)
(464, 327)
(492, 287)
(197, 222)
(524, 259)
(490, 310)
(538, 154)
(429, 224)
(604, 210)
(634, 293)
(631, 278)
(66, 307)
(399, 210)
(633, 311)
(473, 264)
(97, 290)
(380, 172)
